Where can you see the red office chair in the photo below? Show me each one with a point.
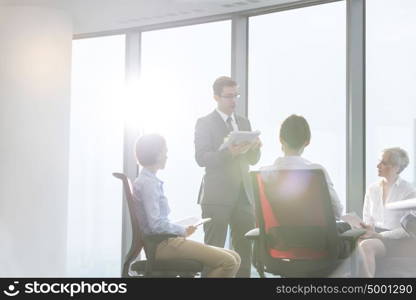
(150, 267)
(297, 234)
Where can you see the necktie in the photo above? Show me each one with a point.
(229, 124)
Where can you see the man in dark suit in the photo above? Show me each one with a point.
(226, 193)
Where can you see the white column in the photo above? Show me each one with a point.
(35, 57)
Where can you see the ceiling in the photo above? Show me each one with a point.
(94, 16)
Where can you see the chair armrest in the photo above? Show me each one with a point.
(253, 234)
(352, 234)
(150, 245)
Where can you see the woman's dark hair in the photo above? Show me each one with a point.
(295, 131)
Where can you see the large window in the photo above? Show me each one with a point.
(390, 80)
(179, 66)
(96, 150)
(297, 65)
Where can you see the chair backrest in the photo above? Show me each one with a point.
(295, 214)
(137, 241)
(408, 222)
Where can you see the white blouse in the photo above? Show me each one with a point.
(375, 212)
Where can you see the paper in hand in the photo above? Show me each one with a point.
(192, 221)
(238, 137)
(353, 219)
(202, 221)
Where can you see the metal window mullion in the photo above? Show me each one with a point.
(130, 168)
(355, 105)
(239, 60)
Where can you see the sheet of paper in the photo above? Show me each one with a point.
(194, 221)
(402, 205)
(202, 221)
(353, 219)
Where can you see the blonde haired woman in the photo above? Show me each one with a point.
(384, 232)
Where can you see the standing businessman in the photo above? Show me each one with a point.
(226, 194)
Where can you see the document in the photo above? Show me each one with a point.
(353, 219)
(402, 204)
(238, 137)
(192, 221)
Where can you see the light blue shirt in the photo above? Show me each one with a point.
(153, 207)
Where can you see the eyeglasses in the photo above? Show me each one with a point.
(231, 97)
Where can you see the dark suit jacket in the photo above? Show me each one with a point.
(223, 173)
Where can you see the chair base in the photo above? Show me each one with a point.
(299, 268)
(168, 268)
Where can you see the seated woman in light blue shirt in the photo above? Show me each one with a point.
(153, 211)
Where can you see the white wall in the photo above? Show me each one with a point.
(35, 56)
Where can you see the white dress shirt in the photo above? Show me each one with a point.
(225, 117)
(375, 212)
(297, 162)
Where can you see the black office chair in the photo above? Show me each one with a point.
(297, 234)
(401, 260)
(408, 222)
(150, 267)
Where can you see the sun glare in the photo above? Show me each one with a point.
(150, 105)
